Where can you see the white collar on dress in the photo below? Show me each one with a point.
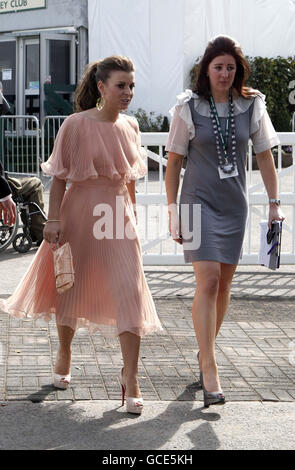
(203, 108)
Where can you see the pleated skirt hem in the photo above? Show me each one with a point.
(106, 330)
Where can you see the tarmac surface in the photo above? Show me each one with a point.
(255, 354)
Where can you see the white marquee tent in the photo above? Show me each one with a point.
(164, 37)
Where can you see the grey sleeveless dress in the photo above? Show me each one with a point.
(223, 201)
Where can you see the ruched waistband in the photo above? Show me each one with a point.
(100, 180)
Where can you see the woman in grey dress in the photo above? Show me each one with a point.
(212, 126)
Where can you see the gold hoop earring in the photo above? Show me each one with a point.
(100, 103)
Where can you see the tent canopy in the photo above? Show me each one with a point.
(164, 38)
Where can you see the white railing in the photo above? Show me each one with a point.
(152, 194)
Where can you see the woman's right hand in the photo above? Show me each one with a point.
(52, 232)
(174, 225)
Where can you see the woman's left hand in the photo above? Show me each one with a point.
(275, 213)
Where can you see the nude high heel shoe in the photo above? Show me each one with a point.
(61, 381)
(133, 405)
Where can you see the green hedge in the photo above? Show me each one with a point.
(272, 77)
(149, 122)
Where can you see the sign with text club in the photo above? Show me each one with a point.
(10, 6)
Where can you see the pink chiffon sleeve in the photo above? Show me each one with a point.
(60, 162)
(86, 149)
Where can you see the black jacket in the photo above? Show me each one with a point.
(4, 186)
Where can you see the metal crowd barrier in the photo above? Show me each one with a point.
(20, 144)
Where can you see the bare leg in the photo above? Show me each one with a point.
(223, 299)
(205, 318)
(130, 345)
(64, 355)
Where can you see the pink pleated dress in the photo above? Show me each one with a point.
(110, 292)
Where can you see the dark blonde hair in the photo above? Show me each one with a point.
(87, 93)
(222, 45)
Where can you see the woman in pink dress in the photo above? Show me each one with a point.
(98, 151)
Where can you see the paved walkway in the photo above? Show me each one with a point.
(255, 354)
(256, 366)
(255, 350)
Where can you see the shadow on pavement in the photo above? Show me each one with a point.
(63, 426)
(40, 395)
(246, 284)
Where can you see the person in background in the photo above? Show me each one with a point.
(7, 206)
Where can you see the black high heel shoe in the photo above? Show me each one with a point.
(213, 398)
(210, 398)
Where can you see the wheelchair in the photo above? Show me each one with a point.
(21, 242)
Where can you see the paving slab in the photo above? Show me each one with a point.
(254, 353)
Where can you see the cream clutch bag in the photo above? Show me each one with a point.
(63, 268)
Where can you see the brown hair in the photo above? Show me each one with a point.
(87, 93)
(222, 45)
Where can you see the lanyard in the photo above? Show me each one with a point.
(223, 139)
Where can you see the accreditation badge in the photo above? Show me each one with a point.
(224, 174)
